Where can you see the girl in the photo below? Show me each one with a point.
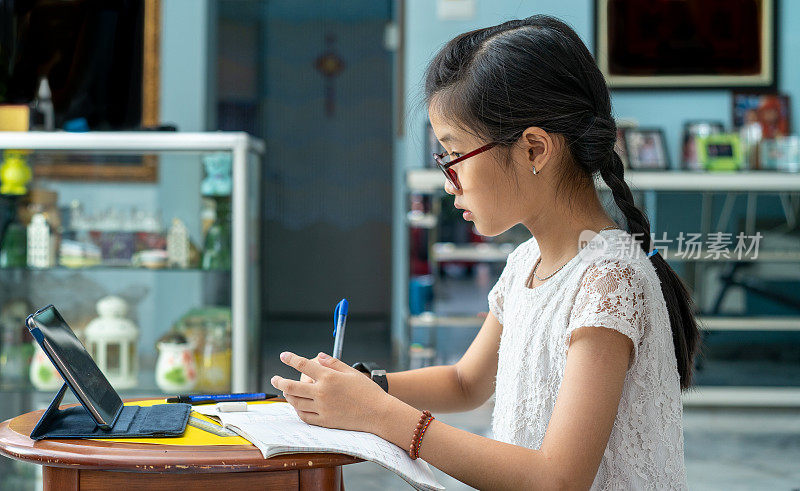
(585, 348)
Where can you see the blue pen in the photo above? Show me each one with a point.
(339, 320)
(211, 398)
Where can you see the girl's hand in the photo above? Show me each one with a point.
(336, 396)
(306, 378)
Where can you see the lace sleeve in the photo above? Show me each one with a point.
(611, 295)
(498, 293)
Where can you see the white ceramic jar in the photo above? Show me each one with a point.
(176, 369)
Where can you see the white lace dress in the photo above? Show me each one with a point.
(609, 283)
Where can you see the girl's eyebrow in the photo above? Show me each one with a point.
(448, 139)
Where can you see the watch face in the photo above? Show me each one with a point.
(378, 373)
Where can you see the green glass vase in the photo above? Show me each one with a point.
(217, 246)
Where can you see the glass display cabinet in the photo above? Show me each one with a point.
(147, 243)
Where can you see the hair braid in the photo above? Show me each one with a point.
(614, 175)
(680, 307)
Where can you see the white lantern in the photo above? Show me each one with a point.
(112, 341)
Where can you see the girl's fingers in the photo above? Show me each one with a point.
(338, 365)
(303, 365)
(301, 403)
(293, 387)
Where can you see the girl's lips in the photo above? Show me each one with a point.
(467, 215)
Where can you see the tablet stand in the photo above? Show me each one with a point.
(161, 420)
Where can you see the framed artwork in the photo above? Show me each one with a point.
(646, 149)
(104, 167)
(686, 44)
(770, 111)
(691, 131)
(720, 152)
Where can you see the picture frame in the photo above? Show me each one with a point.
(772, 111)
(720, 152)
(692, 130)
(646, 149)
(619, 144)
(122, 168)
(675, 45)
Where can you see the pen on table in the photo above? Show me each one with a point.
(213, 398)
(339, 320)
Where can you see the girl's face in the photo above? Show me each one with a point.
(488, 193)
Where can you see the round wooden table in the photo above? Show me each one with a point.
(92, 464)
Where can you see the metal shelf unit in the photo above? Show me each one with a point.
(733, 184)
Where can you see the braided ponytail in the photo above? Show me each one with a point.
(685, 334)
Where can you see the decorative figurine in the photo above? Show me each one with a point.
(14, 177)
(178, 245)
(13, 239)
(218, 174)
(15, 352)
(14, 173)
(112, 341)
(176, 369)
(41, 243)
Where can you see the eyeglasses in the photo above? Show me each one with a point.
(444, 165)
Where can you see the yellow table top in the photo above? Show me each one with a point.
(192, 435)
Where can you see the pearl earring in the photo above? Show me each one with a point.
(534, 170)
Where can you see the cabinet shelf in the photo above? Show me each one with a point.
(707, 323)
(121, 268)
(432, 180)
(448, 251)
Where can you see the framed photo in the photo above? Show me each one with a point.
(691, 131)
(619, 145)
(686, 44)
(646, 149)
(147, 61)
(720, 152)
(770, 111)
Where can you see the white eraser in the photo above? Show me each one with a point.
(232, 407)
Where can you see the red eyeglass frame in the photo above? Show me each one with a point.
(451, 174)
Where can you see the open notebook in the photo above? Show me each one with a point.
(276, 429)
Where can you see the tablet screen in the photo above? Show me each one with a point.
(82, 373)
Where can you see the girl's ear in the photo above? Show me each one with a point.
(539, 147)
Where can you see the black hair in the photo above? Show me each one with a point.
(500, 80)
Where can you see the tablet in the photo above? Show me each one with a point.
(75, 365)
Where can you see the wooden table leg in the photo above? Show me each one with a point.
(60, 479)
(321, 479)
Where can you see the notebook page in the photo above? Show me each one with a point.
(276, 428)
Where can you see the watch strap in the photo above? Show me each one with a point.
(374, 372)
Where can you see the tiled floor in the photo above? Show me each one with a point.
(731, 449)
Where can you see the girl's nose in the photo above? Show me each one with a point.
(450, 189)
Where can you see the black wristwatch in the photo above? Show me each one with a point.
(373, 371)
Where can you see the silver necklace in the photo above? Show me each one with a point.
(559, 269)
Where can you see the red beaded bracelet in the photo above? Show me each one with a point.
(424, 420)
